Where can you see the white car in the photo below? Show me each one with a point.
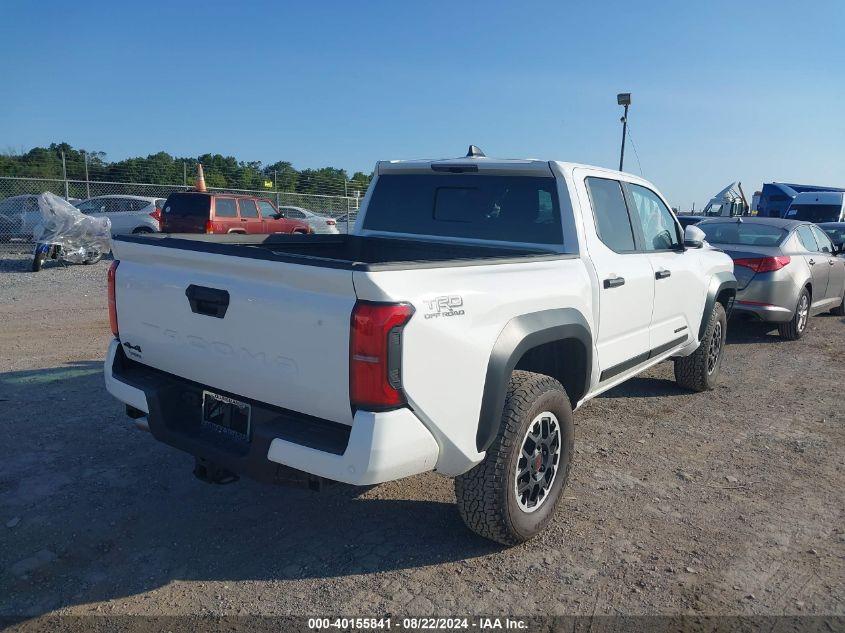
(475, 304)
(128, 214)
(320, 223)
(19, 215)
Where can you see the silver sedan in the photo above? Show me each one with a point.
(320, 223)
(786, 270)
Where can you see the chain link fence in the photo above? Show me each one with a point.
(19, 213)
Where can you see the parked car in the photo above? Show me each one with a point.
(817, 206)
(128, 214)
(456, 332)
(346, 221)
(19, 215)
(836, 232)
(689, 220)
(9, 227)
(787, 271)
(319, 223)
(219, 213)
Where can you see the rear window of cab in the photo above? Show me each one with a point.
(488, 207)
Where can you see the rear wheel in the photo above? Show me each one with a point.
(512, 494)
(794, 329)
(700, 370)
(840, 309)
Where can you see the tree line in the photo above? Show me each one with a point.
(162, 168)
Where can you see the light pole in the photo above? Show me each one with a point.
(623, 99)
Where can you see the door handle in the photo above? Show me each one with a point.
(662, 274)
(831, 261)
(812, 262)
(614, 282)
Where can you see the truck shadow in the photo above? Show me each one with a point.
(645, 387)
(93, 509)
(742, 332)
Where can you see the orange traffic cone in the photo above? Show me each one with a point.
(200, 178)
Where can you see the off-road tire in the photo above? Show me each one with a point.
(792, 330)
(486, 495)
(697, 371)
(840, 309)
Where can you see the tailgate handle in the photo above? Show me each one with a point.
(208, 301)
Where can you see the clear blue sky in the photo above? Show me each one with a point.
(722, 91)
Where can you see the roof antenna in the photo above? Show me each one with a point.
(475, 152)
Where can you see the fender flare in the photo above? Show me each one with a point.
(718, 282)
(520, 334)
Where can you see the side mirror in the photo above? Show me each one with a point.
(280, 215)
(839, 249)
(694, 237)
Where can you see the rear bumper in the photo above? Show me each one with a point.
(377, 447)
(770, 297)
(768, 313)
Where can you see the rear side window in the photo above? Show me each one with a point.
(613, 224)
(825, 245)
(248, 208)
(187, 205)
(805, 236)
(490, 207)
(225, 208)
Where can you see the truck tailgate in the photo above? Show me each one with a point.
(283, 340)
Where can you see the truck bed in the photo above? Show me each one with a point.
(350, 252)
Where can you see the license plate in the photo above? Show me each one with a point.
(226, 415)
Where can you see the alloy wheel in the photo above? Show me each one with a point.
(715, 348)
(538, 462)
(803, 312)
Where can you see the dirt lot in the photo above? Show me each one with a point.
(729, 502)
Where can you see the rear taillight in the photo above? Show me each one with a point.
(156, 215)
(113, 297)
(763, 264)
(209, 226)
(375, 355)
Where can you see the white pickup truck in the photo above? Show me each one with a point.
(476, 303)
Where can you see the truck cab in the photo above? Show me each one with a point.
(817, 206)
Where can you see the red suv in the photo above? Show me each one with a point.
(200, 212)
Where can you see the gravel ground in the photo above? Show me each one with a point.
(728, 502)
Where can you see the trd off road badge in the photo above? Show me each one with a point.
(446, 306)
